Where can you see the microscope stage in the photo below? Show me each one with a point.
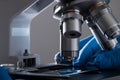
(63, 72)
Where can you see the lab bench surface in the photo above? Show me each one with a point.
(56, 72)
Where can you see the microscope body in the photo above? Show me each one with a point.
(97, 15)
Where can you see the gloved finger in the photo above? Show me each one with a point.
(59, 60)
(83, 41)
(4, 74)
(107, 59)
(87, 52)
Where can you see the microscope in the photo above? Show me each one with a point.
(96, 14)
(72, 13)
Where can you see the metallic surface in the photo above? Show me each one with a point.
(102, 40)
(69, 47)
(70, 31)
(71, 24)
(83, 5)
(106, 21)
(71, 28)
(65, 1)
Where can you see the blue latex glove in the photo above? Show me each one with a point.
(4, 74)
(87, 52)
(91, 53)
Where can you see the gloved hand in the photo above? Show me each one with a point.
(86, 45)
(91, 53)
(4, 74)
(58, 58)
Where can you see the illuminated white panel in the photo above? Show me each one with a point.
(20, 32)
